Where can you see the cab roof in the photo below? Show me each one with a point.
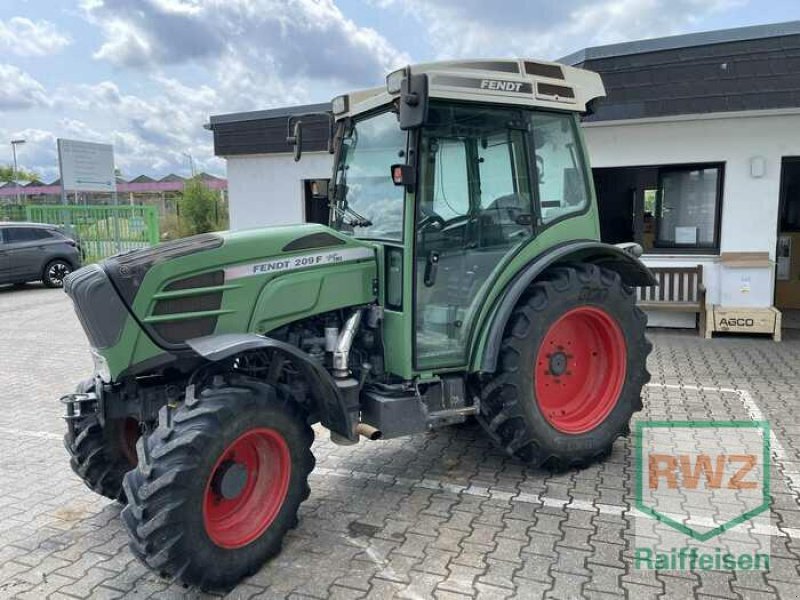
(522, 82)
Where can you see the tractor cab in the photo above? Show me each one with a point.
(452, 169)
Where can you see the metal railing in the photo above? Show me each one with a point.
(12, 212)
(102, 230)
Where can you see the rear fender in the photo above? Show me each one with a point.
(614, 258)
(335, 412)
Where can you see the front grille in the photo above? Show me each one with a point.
(183, 305)
(177, 332)
(209, 279)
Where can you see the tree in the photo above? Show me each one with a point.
(200, 209)
(7, 174)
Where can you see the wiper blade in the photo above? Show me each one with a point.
(355, 220)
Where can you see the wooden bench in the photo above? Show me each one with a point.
(680, 289)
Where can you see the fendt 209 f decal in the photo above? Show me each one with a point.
(298, 262)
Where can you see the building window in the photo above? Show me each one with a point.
(687, 207)
(666, 208)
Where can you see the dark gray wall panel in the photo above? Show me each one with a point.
(267, 136)
(743, 75)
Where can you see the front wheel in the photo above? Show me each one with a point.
(571, 371)
(101, 454)
(219, 484)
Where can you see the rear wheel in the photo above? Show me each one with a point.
(572, 367)
(101, 454)
(219, 484)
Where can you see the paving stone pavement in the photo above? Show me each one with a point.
(442, 515)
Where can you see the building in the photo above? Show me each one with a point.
(263, 177)
(142, 190)
(695, 153)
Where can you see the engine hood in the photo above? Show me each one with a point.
(245, 281)
(129, 270)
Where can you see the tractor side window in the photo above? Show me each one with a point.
(450, 190)
(369, 149)
(496, 168)
(560, 168)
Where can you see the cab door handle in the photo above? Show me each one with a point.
(431, 268)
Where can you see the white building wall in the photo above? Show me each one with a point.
(749, 204)
(267, 189)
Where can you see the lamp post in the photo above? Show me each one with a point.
(191, 162)
(14, 144)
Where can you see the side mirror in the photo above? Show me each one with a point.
(294, 130)
(296, 140)
(404, 175)
(413, 101)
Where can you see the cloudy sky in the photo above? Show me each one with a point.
(146, 74)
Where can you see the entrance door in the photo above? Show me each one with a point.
(787, 280)
(474, 207)
(315, 192)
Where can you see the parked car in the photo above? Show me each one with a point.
(36, 252)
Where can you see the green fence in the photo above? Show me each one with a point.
(12, 212)
(102, 230)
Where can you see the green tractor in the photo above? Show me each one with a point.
(461, 277)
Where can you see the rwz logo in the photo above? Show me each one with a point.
(691, 470)
(723, 466)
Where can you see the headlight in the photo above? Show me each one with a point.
(101, 366)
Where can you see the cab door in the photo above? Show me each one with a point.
(474, 209)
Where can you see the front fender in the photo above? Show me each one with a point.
(632, 271)
(334, 411)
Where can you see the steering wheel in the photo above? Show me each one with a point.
(430, 219)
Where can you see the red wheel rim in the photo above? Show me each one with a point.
(129, 435)
(246, 488)
(580, 369)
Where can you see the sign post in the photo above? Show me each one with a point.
(88, 167)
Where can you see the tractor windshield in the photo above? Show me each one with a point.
(366, 203)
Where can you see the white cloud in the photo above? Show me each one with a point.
(38, 154)
(19, 90)
(254, 53)
(178, 61)
(23, 37)
(299, 39)
(151, 133)
(549, 28)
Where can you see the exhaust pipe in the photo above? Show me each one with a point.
(369, 432)
(341, 353)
